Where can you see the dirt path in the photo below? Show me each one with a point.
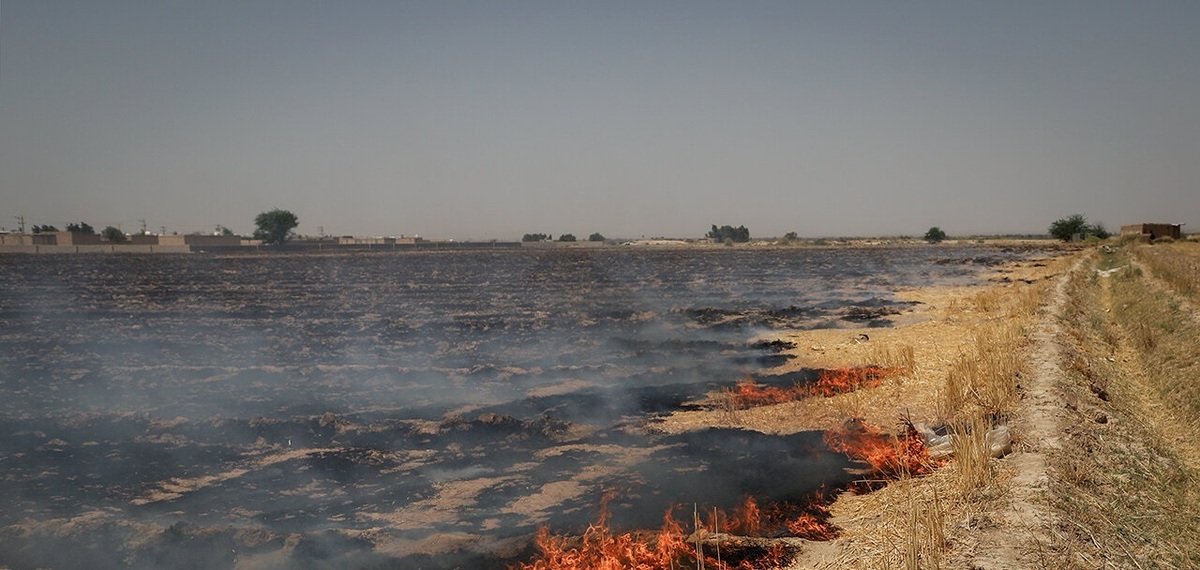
(1022, 531)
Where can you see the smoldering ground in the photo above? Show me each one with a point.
(426, 409)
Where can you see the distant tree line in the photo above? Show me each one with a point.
(564, 237)
(729, 233)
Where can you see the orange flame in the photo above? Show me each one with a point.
(599, 548)
(805, 520)
(834, 381)
(670, 548)
(748, 394)
(830, 382)
(888, 456)
(810, 527)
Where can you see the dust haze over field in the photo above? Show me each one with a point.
(309, 410)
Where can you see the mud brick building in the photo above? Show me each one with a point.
(1153, 231)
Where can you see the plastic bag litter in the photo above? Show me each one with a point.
(938, 446)
(998, 440)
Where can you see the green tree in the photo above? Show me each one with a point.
(113, 234)
(1076, 225)
(566, 237)
(935, 235)
(596, 237)
(729, 234)
(275, 226)
(81, 227)
(535, 237)
(45, 228)
(791, 236)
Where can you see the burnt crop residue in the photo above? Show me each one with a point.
(416, 410)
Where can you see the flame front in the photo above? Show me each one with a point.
(834, 381)
(830, 382)
(888, 456)
(670, 548)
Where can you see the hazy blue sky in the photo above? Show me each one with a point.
(493, 119)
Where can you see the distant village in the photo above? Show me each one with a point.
(91, 242)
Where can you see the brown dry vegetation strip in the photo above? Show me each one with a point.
(1125, 478)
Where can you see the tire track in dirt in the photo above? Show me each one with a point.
(1156, 411)
(1022, 529)
(1161, 287)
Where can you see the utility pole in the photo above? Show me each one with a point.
(163, 230)
(21, 220)
(321, 230)
(143, 221)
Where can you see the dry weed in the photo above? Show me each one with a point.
(989, 300)
(973, 467)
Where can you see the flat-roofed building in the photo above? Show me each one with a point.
(1154, 231)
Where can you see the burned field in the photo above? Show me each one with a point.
(400, 410)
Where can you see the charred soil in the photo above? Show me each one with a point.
(437, 409)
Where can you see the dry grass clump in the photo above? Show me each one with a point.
(900, 358)
(911, 523)
(926, 532)
(974, 473)
(989, 300)
(983, 380)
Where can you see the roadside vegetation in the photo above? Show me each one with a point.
(931, 521)
(1124, 482)
(1122, 477)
